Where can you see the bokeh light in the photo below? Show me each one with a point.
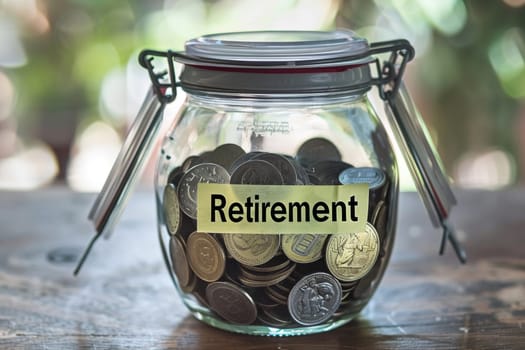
(32, 167)
(96, 148)
(489, 169)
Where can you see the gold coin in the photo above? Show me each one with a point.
(206, 257)
(350, 256)
(303, 248)
(171, 209)
(252, 249)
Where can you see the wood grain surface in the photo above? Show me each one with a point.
(123, 297)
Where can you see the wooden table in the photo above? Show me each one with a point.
(124, 298)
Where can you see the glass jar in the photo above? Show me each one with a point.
(276, 185)
(276, 284)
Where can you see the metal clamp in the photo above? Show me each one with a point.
(166, 92)
(388, 76)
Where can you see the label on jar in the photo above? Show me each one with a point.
(278, 209)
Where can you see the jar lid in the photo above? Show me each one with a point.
(273, 48)
(276, 62)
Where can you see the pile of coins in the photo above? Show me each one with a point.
(275, 280)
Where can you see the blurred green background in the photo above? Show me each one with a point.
(70, 83)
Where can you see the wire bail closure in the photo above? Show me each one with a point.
(128, 166)
(414, 141)
(166, 92)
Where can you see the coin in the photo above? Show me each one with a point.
(205, 256)
(264, 280)
(231, 303)
(314, 299)
(190, 162)
(374, 177)
(252, 249)
(302, 176)
(275, 297)
(262, 300)
(187, 226)
(226, 154)
(282, 164)
(349, 256)
(317, 149)
(276, 263)
(277, 293)
(285, 286)
(327, 171)
(303, 248)
(258, 284)
(348, 286)
(256, 172)
(377, 213)
(242, 159)
(265, 320)
(258, 276)
(171, 209)
(190, 287)
(271, 322)
(199, 293)
(200, 173)
(366, 285)
(379, 218)
(175, 175)
(179, 261)
(279, 314)
(314, 179)
(232, 272)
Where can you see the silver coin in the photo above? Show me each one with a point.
(374, 177)
(172, 213)
(200, 173)
(256, 172)
(282, 164)
(317, 149)
(314, 299)
(231, 302)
